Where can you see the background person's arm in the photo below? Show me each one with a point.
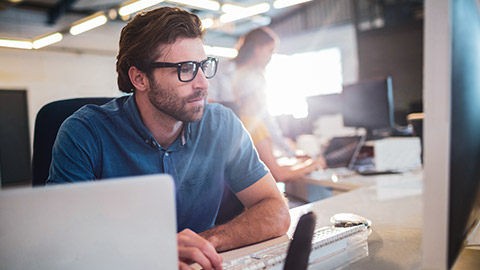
(284, 173)
(266, 217)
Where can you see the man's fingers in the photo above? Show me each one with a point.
(183, 266)
(192, 254)
(189, 239)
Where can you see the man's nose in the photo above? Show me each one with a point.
(200, 81)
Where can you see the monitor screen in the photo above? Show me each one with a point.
(452, 129)
(368, 104)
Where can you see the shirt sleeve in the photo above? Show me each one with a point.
(75, 153)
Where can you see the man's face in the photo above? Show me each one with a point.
(183, 101)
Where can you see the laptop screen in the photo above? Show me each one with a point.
(342, 151)
(124, 223)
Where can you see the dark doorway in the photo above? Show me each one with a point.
(14, 138)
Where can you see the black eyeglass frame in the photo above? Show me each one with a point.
(179, 65)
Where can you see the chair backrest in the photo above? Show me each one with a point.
(47, 123)
(301, 245)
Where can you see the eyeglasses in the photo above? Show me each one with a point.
(188, 70)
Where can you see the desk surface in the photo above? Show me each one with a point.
(351, 181)
(394, 205)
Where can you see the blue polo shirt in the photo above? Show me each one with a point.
(99, 142)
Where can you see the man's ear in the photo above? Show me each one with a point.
(138, 78)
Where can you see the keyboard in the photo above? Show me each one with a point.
(348, 243)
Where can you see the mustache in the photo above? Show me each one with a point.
(198, 94)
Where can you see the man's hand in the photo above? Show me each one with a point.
(193, 248)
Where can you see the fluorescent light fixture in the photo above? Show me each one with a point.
(286, 3)
(134, 6)
(16, 43)
(47, 40)
(261, 20)
(88, 23)
(220, 51)
(207, 23)
(203, 4)
(231, 8)
(240, 13)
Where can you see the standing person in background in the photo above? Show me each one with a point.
(249, 86)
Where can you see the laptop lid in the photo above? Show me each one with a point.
(125, 223)
(343, 151)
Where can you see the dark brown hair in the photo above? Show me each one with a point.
(140, 38)
(248, 42)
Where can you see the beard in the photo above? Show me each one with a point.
(167, 101)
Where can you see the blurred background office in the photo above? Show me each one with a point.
(325, 45)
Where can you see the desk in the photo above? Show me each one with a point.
(394, 205)
(316, 185)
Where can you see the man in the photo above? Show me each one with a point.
(167, 127)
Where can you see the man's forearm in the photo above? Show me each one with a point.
(267, 219)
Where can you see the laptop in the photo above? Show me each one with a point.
(340, 156)
(343, 151)
(124, 223)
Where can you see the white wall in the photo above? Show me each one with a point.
(48, 76)
(341, 36)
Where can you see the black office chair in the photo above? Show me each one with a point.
(47, 123)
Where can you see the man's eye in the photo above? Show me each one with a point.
(187, 68)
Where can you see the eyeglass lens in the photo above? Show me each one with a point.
(189, 70)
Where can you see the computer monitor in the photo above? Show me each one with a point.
(451, 129)
(368, 104)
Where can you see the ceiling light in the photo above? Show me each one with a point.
(231, 8)
(112, 14)
(220, 51)
(261, 20)
(47, 40)
(134, 6)
(207, 23)
(88, 23)
(286, 3)
(240, 13)
(203, 4)
(16, 43)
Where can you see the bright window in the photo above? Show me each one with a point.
(292, 78)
